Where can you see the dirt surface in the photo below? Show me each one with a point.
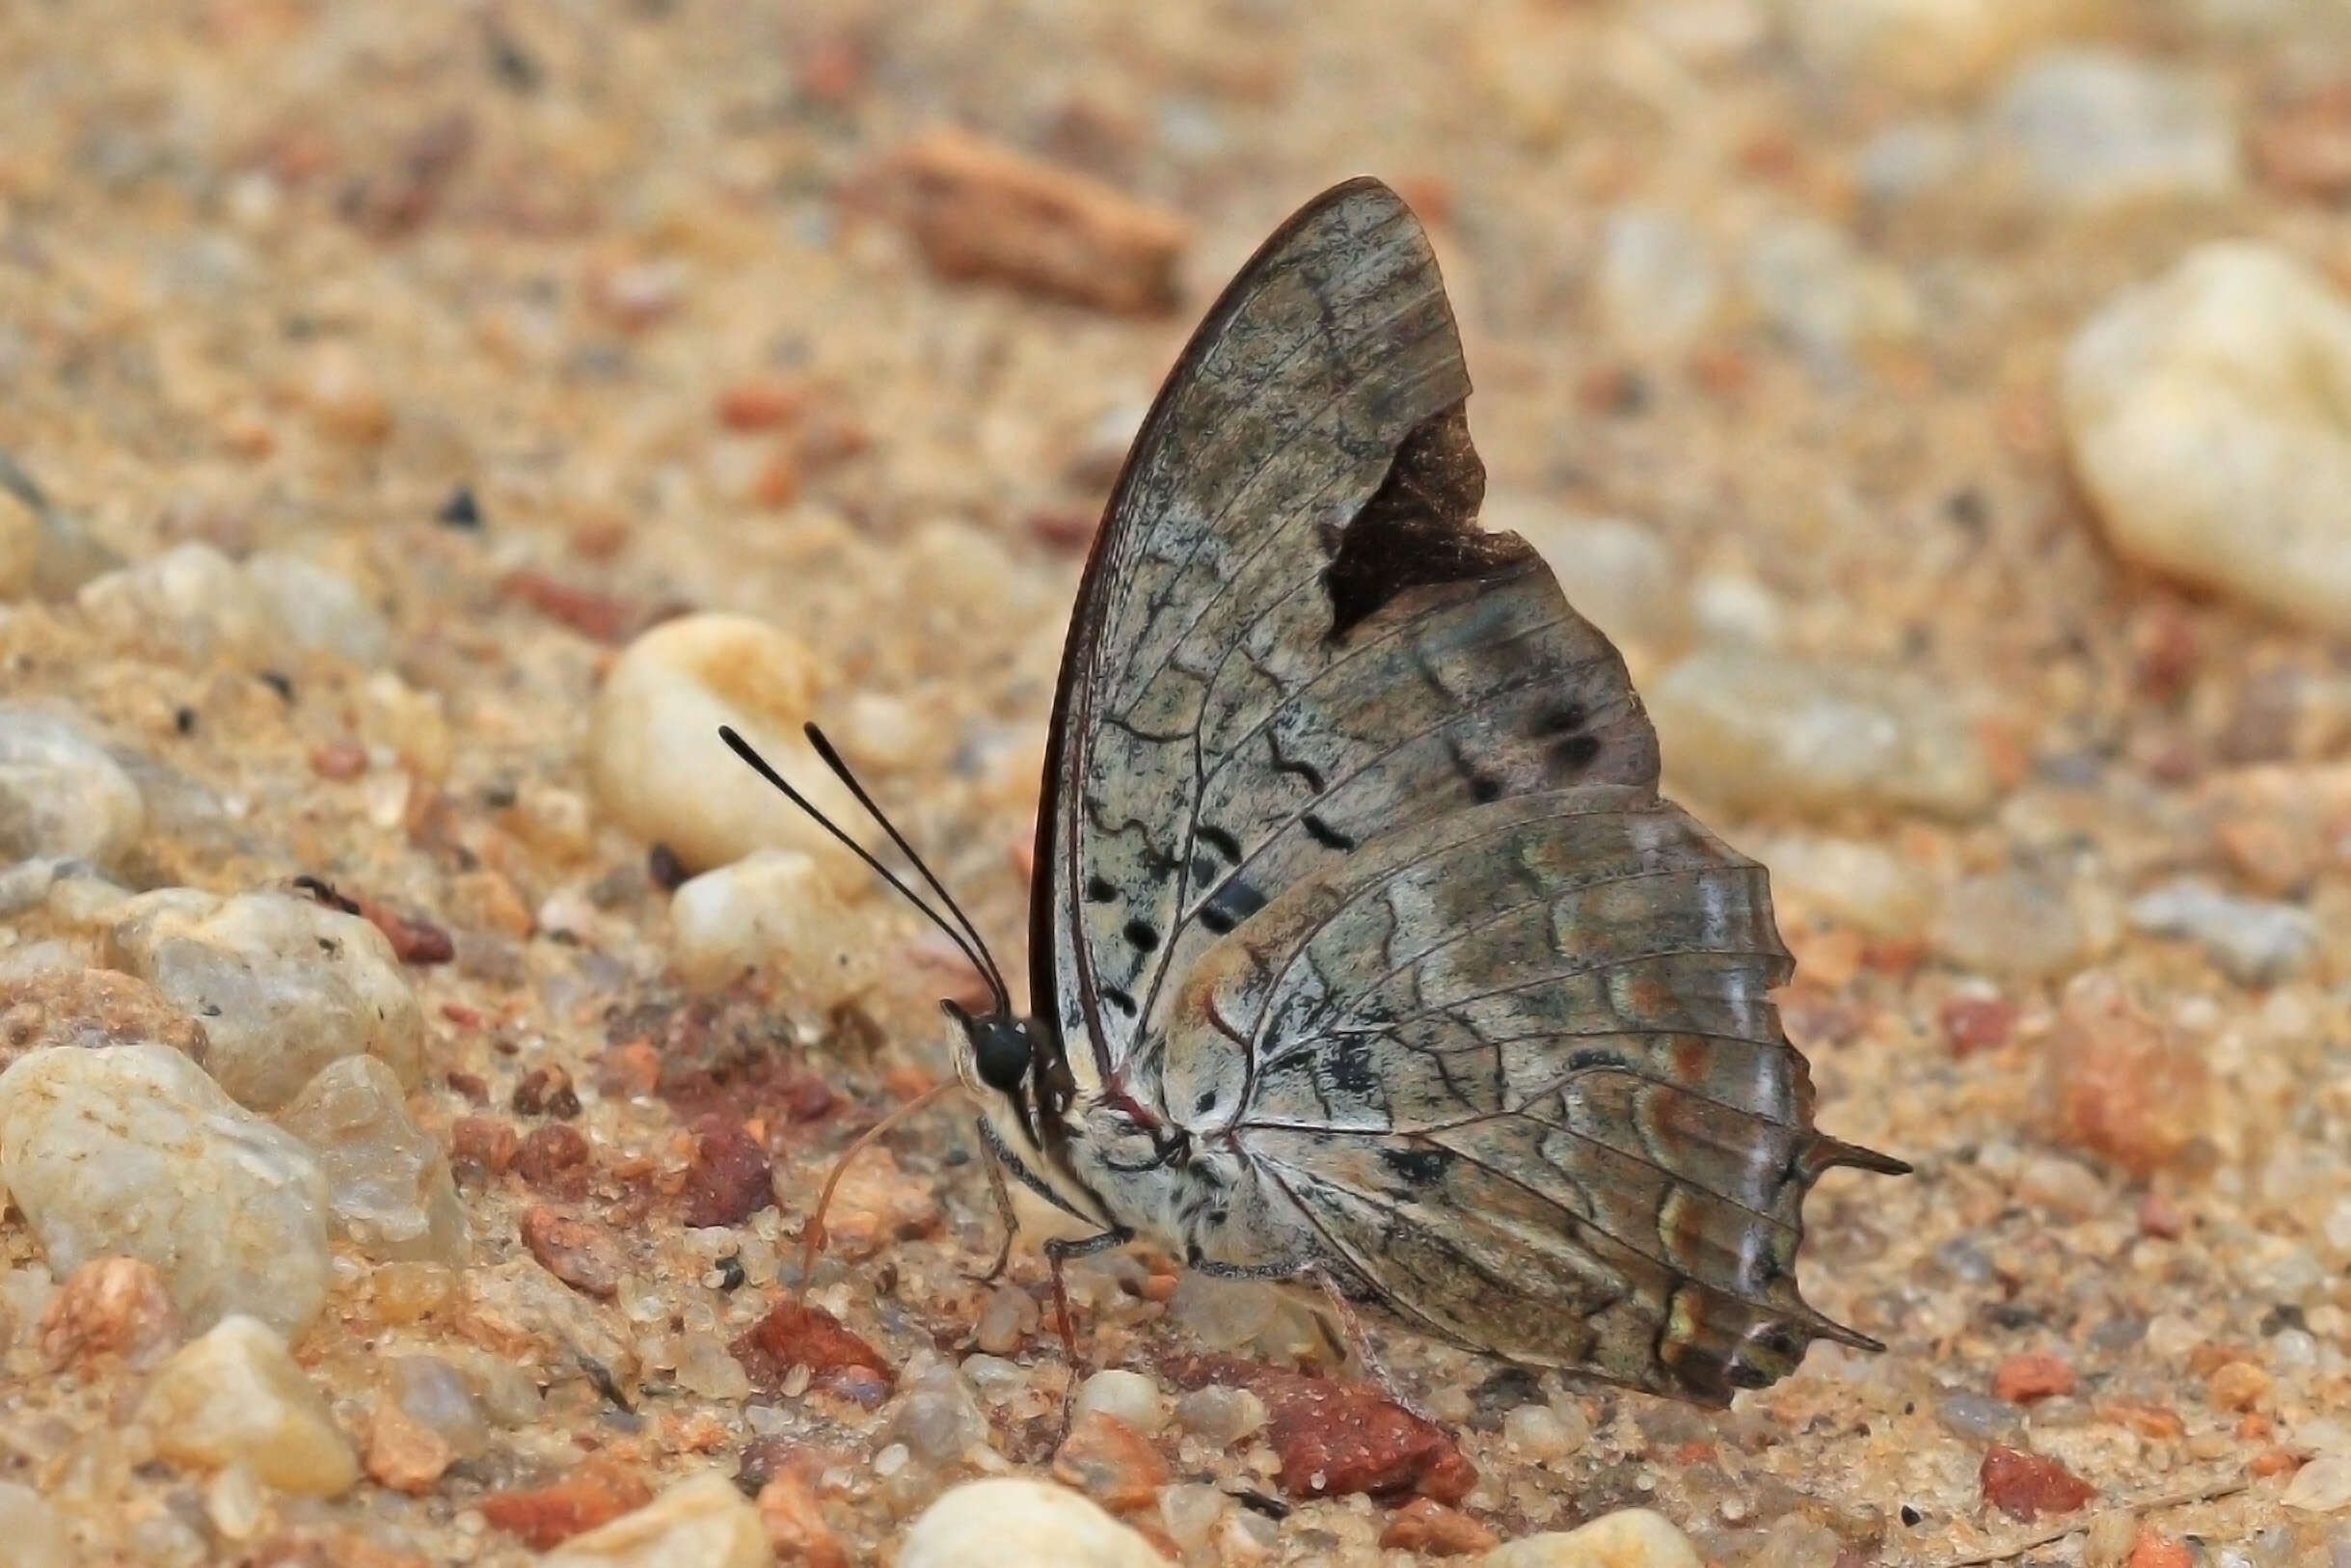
(542, 324)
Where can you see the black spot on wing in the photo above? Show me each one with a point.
(1119, 999)
(1099, 891)
(1578, 750)
(1223, 842)
(1142, 936)
(1347, 1065)
(1231, 904)
(1324, 834)
(1417, 1169)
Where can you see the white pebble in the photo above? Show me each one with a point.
(1011, 1522)
(2098, 128)
(320, 610)
(1128, 1397)
(702, 1523)
(1191, 1511)
(1618, 574)
(133, 1150)
(192, 600)
(1543, 1433)
(1629, 1538)
(1814, 286)
(34, 1529)
(1861, 883)
(2253, 942)
(2323, 1486)
(392, 1193)
(61, 794)
(284, 986)
(2066, 1188)
(2012, 924)
(773, 908)
(661, 770)
(1656, 280)
(1746, 728)
(237, 1397)
(1732, 607)
(2207, 413)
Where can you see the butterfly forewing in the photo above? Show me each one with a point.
(1357, 873)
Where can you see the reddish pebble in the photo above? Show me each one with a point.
(779, 480)
(461, 1015)
(110, 1306)
(1434, 1531)
(584, 610)
(1977, 1023)
(484, 1143)
(795, 1521)
(2025, 1486)
(2125, 1084)
(760, 405)
(546, 1090)
(1111, 1462)
(472, 1086)
(2274, 1462)
(2034, 1375)
(555, 1159)
(794, 1333)
(579, 1255)
(729, 1179)
(340, 761)
(1337, 1438)
(413, 941)
(546, 1516)
(2153, 1551)
(2159, 1217)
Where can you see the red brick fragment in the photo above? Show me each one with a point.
(555, 1159)
(2034, 1375)
(760, 404)
(2153, 1550)
(339, 761)
(729, 1179)
(979, 210)
(794, 1333)
(546, 1090)
(1336, 1438)
(1977, 1023)
(1111, 1462)
(2025, 1486)
(578, 1253)
(595, 1493)
(592, 614)
(482, 1142)
(110, 1306)
(1434, 1531)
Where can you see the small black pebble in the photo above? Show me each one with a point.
(730, 1272)
(185, 720)
(461, 510)
(1912, 1516)
(663, 865)
(282, 685)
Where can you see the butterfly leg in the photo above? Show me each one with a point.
(1004, 1211)
(1359, 1341)
(1059, 1250)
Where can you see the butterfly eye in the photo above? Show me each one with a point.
(1001, 1051)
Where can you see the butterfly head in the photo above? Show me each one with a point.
(999, 1049)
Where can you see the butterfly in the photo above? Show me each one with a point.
(1363, 952)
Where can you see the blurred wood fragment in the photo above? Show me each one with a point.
(980, 210)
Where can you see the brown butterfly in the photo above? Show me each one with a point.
(1364, 954)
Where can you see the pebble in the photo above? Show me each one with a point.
(1746, 728)
(2203, 420)
(794, 1333)
(2121, 1083)
(284, 986)
(1629, 1538)
(1110, 1462)
(190, 598)
(1190, 1511)
(2322, 1486)
(2096, 129)
(1814, 286)
(938, 1419)
(1219, 1415)
(436, 1397)
(2253, 942)
(1733, 608)
(660, 770)
(1011, 1522)
(35, 1529)
(2010, 923)
(1337, 1438)
(61, 794)
(135, 1151)
(111, 1307)
(702, 1523)
(589, 1495)
(1920, 48)
(2025, 1486)
(1656, 280)
(1976, 1417)
(235, 1397)
(1857, 882)
(2034, 1374)
(80, 1009)
(2066, 1188)
(1128, 1397)
(773, 908)
(1543, 1433)
(1618, 574)
(320, 610)
(1222, 1314)
(1009, 1318)
(392, 1193)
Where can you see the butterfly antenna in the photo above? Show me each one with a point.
(979, 961)
(840, 770)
